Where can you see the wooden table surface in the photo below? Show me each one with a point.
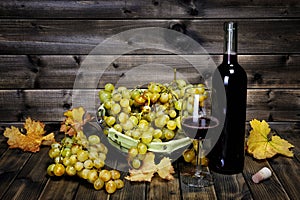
(23, 176)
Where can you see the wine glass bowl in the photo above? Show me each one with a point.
(196, 121)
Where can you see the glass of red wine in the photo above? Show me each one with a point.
(196, 120)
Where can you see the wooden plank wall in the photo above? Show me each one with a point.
(43, 44)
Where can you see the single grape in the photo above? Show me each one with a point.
(98, 184)
(78, 166)
(136, 163)
(98, 163)
(171, 125)
(105, 175)
(115, 174)
(132, 152)
(92, 176)
(93, 139)
(119, 183)
(110, 186)
(59, 169)
(189, 155)
(109, 87)
(70, 170)
(54, 152)
(88, 164)
(50, 169)
(142, 148)
(82, 155)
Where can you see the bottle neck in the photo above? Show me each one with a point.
(230, 42)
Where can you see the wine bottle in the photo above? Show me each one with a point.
(228, 154)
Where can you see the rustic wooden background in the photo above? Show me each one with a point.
(43, 43)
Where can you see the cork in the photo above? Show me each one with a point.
(261, 175)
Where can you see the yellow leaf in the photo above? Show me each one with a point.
(263, 144)
(32, 139)
(74, 121)
(149, 168)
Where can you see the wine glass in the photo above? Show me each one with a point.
(196, 120)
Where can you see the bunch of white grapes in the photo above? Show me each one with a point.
(149, 115)
(85, 157)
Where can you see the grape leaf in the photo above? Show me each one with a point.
(75, 120)
(262, 143)
(31, 139)
(149, 168)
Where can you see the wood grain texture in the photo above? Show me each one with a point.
(60, 71)
(149, 9)
(49, 105)
(64, 36)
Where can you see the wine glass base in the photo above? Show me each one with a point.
(198, 181)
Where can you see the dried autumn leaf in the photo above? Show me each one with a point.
(165, 169)
(263, 144)
(75, 120)
(32, 140)
(149, 168)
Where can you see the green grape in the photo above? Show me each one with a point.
(135, 94)
(115, 108)
(136, 163)
(154, 87)
(123, 117)
(134, 120)
(116, 97)
(93, 139)
(168, 134)
(82, 155)
(50, 170)
(110, 120)
(88, 164)
(98, 184)
(73, 159)
(92, 176)
(109, 87)
(142, 148)
(78, 166)
(133, 152)
(189, 155)
(70, 170)
(171, 125)
(172, 113)
(164, 97)
(161, 121)
(58, 159)
(128, 125)
(124, 103)
(115, 174)
(126, 110)
(157, 133)
(107, 104)
(59, 169)
(93, 154)
(118, 128)
(156, 140)
(143, 125)
(119, 183)
(126, 94)
(66, 161)
(110, 186)
(146, 137)
(54, 152)
(55, 145)
(102, 156)
(136, 134)
(75, 148)
(68, 142)
(101, 148)
(98, 163)
(66, 152)
(105, 175)
(104, 96)
(84, 173)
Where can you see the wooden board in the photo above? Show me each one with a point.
(150, 9)
(64, 37)
(60, 71)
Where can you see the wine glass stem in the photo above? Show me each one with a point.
(199, 159)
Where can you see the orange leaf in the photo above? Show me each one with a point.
(32, 139)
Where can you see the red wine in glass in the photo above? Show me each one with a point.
(197, 127)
